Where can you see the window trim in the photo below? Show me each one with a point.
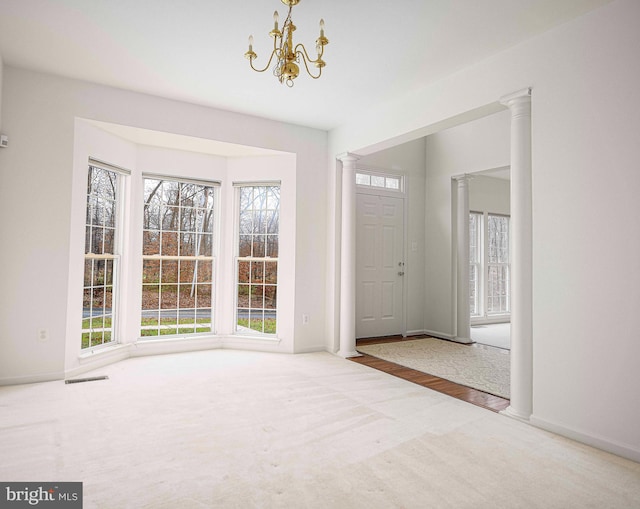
(247, 331)
(360, 171)
(116, 257)
(479, 264)
(214, 259)
(490, 315)
(483, 315)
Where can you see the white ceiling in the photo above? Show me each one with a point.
(192, 50)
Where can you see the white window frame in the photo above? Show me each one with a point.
(215, 185)
(115, 258)
(505, 309)
(483, 314)
(379, 181)
(238, 329)
(476, 287)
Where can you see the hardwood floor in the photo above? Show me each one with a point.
(473, 396)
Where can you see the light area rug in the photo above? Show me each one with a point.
(483, 368)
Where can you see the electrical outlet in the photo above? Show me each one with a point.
(43, 335)
(305, 319)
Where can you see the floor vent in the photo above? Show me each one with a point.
(90, 379)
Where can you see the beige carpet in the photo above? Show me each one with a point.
(483, 368)
(228, 429)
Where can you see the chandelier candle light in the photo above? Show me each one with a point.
(287, 55)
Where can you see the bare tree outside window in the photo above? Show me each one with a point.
(489, 264)
(498, 280)
(475, 262)
(257, 261)
(178, 243)
(101, 257)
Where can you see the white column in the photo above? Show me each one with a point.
(348, 258)
(521, 405)
(463, 330)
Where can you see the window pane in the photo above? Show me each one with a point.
(498, 291)
(475, 222)
(97, 240)
(187, 296)
(179, 227)
(100, 284)
(377, 181)
(272, 220)
(243, 272)
(169, 298)
(109, 240)
(152, 204)
(187, 246)
(243, 296)
(150, 297)
(204, 244)
(151, 243)
(473, 290)
(498, 239)
(151, 271)
(271, 272)
(169, 271)
(362, 179)
(270, 297)
(272, 246)
(273, 202)
(188, 219)
(204, 271)
(259, 246)
(392, 183)
(187, 271)
(203, 297)
(258, 217)
(245, 245)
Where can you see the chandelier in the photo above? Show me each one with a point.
(287, 55)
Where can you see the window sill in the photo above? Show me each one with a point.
(101, 352)
(175, 338)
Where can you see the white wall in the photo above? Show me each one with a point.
(586, 240)
(409, 160)
(489, 194)
(37, 178)
(475, 146)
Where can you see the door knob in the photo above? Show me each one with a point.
(401, 273)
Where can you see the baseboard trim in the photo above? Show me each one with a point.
(440, 335)
(32, 379)
(312, 349)
(148, 347)
(613, 447)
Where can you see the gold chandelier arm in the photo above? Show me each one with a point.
(306, 65)
(268, 63)
(306, 59)
(304, 53)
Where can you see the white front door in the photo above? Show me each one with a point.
(379, 266)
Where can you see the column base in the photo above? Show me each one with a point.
(348, 354)
(464, 341)
(514, 414)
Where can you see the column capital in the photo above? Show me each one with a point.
(462, 179)
(520, 96)
(348, 157)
